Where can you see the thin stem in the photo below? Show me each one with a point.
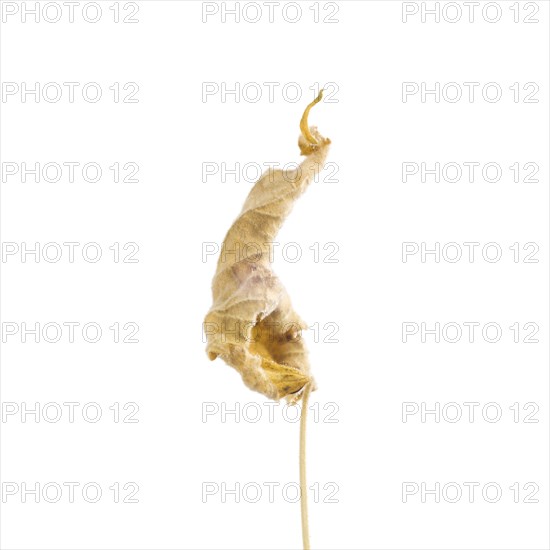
(304, 126)
(303, 483)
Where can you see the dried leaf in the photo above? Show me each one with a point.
(252, 325)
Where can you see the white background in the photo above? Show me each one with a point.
(365, 209)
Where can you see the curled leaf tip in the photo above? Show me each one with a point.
(304, 126)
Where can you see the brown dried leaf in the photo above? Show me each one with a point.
(251, 324)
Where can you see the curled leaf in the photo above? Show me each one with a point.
(252, 325)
